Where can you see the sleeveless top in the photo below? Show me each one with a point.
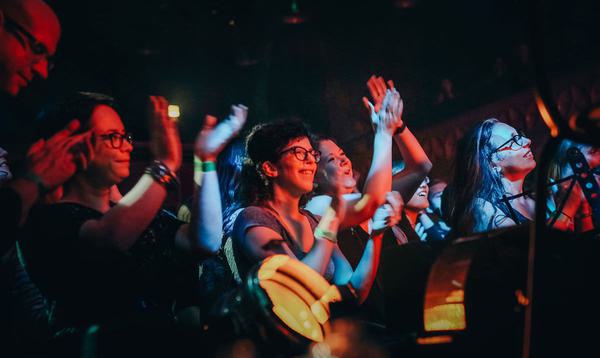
(256, 216)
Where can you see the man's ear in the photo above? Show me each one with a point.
(269, 169)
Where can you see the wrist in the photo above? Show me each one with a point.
(169, 164)
(204, 165)
(162, 174)
(400, 129)
(330, 236)
(35, 179)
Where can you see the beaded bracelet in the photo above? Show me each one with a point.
(162, 174)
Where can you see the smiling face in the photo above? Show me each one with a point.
(419, 200)
(110, 165)
(334, 164)
(293, 174)
(29, 34)
(513, 157)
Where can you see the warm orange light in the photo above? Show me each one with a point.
(300, 296)
(293, 311)
(446, 317)
(546, 117)
(521, 298)
(434, 340)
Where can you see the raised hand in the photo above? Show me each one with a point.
(164, 136)
(388, 214)
(55, 160)
(386, 112)
(377, 88)
(214, 137)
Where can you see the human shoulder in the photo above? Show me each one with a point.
(254, 216)
(491, 216)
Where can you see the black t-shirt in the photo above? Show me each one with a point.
(89, 284)
(352, 242)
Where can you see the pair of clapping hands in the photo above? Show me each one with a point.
(387, 106)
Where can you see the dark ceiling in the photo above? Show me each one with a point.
(205, 55)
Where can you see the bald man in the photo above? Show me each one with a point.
(29, 34)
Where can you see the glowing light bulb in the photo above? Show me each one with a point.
(173, 111)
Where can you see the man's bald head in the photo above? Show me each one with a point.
(29, 34)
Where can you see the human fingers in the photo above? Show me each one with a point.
(64, 133)
(209, 122)
(36, 147)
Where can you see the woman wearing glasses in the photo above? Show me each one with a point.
(492, 162)
(276, 178)
(101, 262)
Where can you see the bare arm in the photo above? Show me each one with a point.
(378, 181)
(204, 232)
(262, 242)
(121, 226)
(362, 278)
(417, 163)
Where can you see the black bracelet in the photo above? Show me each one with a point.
(162, 174)
(400, 129)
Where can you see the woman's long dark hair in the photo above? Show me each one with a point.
(229, 169)
(264, 143)
(474, 179)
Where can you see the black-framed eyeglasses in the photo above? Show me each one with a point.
(302, 153)
(117, 139)
(37, 48)
(517, 140)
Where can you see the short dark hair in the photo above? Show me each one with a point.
(264, 143)
(79, 106)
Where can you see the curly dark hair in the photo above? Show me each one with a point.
(263, 143)
(474, 179)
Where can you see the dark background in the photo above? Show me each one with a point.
(206, 55)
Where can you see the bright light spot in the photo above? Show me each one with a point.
(173, 111)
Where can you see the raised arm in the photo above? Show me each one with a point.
(417, 164)
(362, 278)
(378, 180)
(121, 226)
(204, 232)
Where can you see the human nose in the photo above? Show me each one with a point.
(527, 142)
(127, 146)
(40, 67)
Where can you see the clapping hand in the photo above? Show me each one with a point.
(386, 111)
(164, 136)
(388, 214)
(56, 159)
(214, 137)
